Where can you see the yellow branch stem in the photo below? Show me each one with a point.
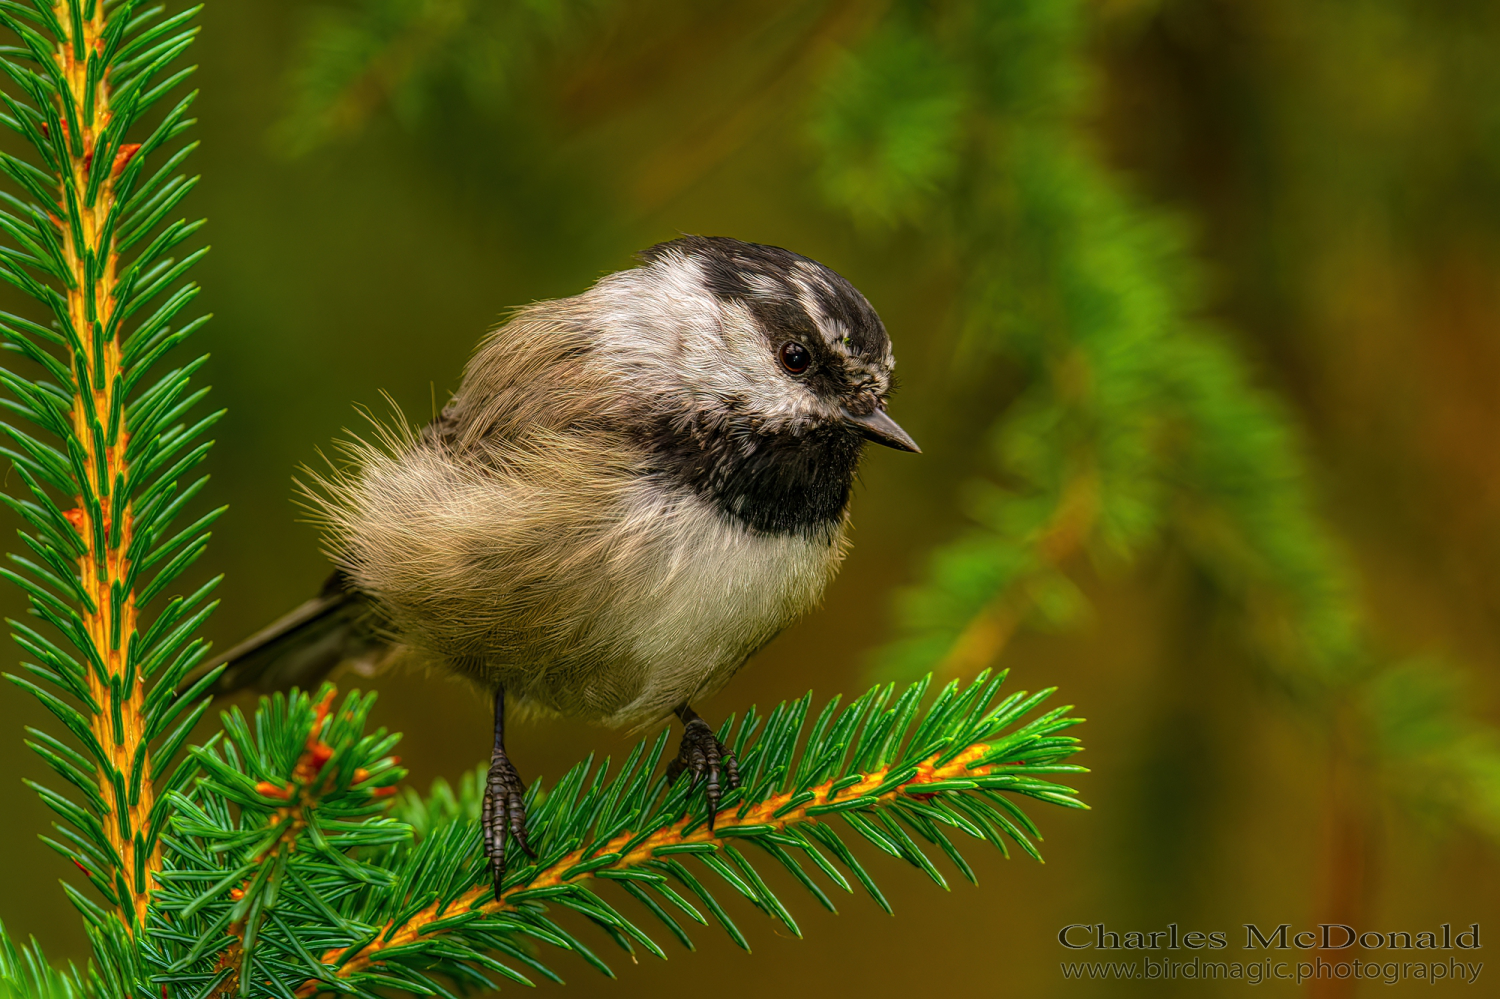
(96, 367)
(762, 814)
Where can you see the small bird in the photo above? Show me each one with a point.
(632, 491)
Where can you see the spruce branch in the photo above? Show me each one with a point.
(114, 973)
(1137, 422)
(263, 893)
(102, 458)
(356, 60)
(274, 860)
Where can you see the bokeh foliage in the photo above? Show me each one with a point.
(1136, 422)
(1123, 419)
(265, 863)
(1330, 168)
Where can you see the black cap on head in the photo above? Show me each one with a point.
(777, 287)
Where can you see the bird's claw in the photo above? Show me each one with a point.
(705, 758)
(504, 817)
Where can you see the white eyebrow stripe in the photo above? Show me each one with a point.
(763, 284)
(808, 284)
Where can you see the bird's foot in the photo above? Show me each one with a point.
(504, 817)
(704, 757)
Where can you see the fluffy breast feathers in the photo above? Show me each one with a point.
(525, 538)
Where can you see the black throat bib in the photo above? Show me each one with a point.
(773, 483)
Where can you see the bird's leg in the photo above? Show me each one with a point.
(704, 757)
(504, 804)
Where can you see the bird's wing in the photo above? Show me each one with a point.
(301, 647)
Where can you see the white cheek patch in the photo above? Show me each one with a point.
(669, 335)
(757, 372)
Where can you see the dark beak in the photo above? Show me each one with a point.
(881, 429)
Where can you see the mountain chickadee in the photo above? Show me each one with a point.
(631, 492)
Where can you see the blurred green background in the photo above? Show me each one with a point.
(1196, 310)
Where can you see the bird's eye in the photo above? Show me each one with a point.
(795, 358)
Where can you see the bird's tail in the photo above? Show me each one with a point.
(303, 646)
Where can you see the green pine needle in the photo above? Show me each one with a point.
(284, 853)
(85, 231)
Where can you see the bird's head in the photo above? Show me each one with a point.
(754, 376)
(756, 339)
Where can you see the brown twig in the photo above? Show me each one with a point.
(1348, 861)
